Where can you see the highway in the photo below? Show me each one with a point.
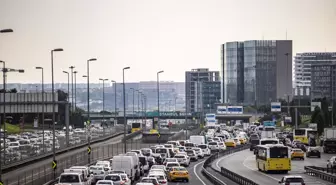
(244, 164)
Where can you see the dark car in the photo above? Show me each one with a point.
(313, 151)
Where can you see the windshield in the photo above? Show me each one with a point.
(269, 129)
(149, 180)
(300, 132)
(203, 146)
(268, 142)
(278, 152)
(143, 160)
(136, 125)
(294, 180)
(104, 182)
(113, 177)
(159, 177)
(179, 156)
(172, 164)
(161, 150)
(189, 145)
(69, 179)
(213, 143)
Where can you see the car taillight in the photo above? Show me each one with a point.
(163, 182)
(122, 182)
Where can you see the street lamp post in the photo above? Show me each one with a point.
(158, 94)
(101, 79)
(72, 88)
(88, 104)
(115, 100)
(66, 72)
(75, 74)
(53, 102)
(124, 100)
(133, 104)
(41, 68)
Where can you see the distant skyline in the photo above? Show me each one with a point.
(151, 35)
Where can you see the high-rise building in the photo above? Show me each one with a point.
(256, 71)
(323, 80)
(202, 90)
(302, 69)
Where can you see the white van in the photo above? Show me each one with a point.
(127, 164)
(199, 140)
(136, 162)
(74, 177)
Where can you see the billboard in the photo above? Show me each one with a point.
(234, 110)
(314, 104)
(221, 109)
(275, 107)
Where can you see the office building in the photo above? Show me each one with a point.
(256, 71)
(202, 90)
(302, 69)
(323, 80)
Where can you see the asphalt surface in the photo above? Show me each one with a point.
(243, 163)
(41, 172)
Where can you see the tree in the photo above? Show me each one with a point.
(319, 118)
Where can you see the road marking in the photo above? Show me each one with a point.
(224, 157)
(257, 170)
(199, 178)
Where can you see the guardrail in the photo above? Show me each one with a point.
(225, 172)
(132, 135)
(31, 160)
(327, 174)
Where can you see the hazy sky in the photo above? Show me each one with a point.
(151, 35)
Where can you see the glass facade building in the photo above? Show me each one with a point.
(256, 71)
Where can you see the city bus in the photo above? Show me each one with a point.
(136, 127)
(304, 134)
(273, 158)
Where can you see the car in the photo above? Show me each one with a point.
(105, 182)
(178, 173)
(116, 178)
(183, 159)
(144, 183)
(169, 160)
(162, 167)
(213, 146)
(205, 149)
(199, 152)
(230, 143)
(221, 146)
(160, 177)
(169, 165)
(125, 178)
(297, 153)
(181, 149)
(292, 180)
(147, 152)
(152, 180)
(192, 154)
(332, 162)
(313, 151)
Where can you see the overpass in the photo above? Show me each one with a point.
(222, 118)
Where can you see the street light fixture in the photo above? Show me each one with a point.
(6, 31)
(158, 96)
(124, 99)
(41, 68)
(66, 72)
(115, 100)
(72, 88)
(75, 72)
(88, 104)
(53, 102)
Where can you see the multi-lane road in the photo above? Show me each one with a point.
(243, 163)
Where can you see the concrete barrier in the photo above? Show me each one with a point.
(132, 135)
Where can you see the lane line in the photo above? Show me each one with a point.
(199, 178)
(244, 163)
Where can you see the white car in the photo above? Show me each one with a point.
(183, 159)
(213, 146)
(199, 152)
(221, 146)
(205, 149)
(291, 180)
(98, 173)
(105, 182)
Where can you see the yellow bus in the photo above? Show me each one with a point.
(303, 134)
(136, 127)
(273, 158)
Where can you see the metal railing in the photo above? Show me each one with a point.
(44, 173)
(32, 156)
(225, 172)
(327, 174)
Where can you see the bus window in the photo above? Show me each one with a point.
(278, 152)
(299, 132)
(269, 142)
(136, 125)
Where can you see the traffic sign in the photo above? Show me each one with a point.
(89, 150)
(275, 107)
(159, 135)
(54, 164)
